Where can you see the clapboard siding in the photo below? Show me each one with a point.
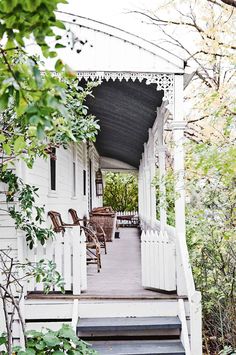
(63, 198)
(7, 226)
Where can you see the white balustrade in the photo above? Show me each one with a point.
(68, 251)
(158, 261)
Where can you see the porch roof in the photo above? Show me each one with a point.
(126, 110)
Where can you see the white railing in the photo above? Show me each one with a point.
(68, 251)
(158, 261)
(126, 222)
(184, 282)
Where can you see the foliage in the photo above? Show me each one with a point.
(204, 32)
(63, 341)
(13, 275)
(38, 109)
(27, 215)
(121, 192)
(211, 230)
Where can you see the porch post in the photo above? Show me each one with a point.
(184, 286)
(140, 190)
(152, 171)
(178, 126)
(162, 191)
(147, 186)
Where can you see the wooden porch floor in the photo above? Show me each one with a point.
(120, 276)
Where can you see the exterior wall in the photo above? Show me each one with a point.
(7, 228)
(63, 198)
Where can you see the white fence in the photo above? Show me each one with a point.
(158, 261)
(158, 271)
(68, 251)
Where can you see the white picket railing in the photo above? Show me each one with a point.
(68, 251)
(184, 282)
(158, 261)
(124, 222)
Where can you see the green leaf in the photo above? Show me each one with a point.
(19, 144)
(59, 65)
(3, 340)
(59, 45)
(7, 148)
(2, 138)
(66, 331)
(37, 75)
(51, 339)
(27, 352)
(52, 54)
(4, 102)
(60, 25)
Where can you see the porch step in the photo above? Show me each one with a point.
(123, 327)
(139, 347)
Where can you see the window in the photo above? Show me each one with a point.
(84, 182)
(53, 169)
(74, 178)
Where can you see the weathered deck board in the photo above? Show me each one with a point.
(120, 275)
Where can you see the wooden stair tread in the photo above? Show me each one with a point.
(139, 347)
(128, 323)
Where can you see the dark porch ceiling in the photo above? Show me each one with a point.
(126, 110)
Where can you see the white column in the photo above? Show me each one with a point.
(147, 194)
(152, 173)
(162, 192)
(152, 162)
(178, 126)
(185, 282)
(140, 191)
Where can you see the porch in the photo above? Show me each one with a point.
(134, 107)
(120, 277)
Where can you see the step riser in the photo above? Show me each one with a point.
(172, 333)
(128, 309)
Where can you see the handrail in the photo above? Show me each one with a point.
(184, 330)
(185, 284)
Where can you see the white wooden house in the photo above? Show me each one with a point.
(140, 94)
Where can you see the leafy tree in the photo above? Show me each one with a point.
(38, 109)
(121, 192)
(211, 228)
(204, 32)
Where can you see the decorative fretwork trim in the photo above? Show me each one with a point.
(163, 81)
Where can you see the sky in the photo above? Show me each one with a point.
(115, 13)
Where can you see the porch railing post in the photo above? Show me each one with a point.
(162, 191)
(185, 282)
(147, 186)
(140, 193)
(152, 171)
(178, 125)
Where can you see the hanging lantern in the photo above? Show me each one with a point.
(99, 183)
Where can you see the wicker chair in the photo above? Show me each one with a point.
(92, 243)
(93, 226)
